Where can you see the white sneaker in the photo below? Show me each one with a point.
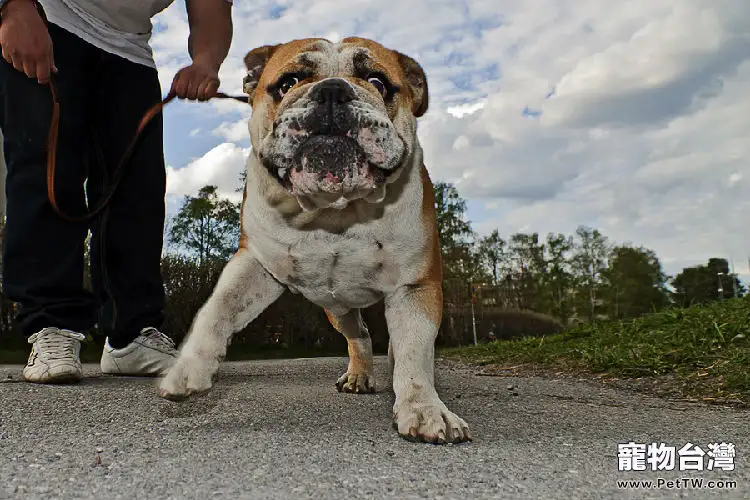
(54, 357)
(151, 353)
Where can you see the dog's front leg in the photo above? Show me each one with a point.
(244, 290)
(413, 315)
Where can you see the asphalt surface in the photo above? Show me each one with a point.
(279, 429)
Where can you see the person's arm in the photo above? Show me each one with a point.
(210, 31)
(208, 45)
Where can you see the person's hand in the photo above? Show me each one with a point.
(25, 41)
(198, 81)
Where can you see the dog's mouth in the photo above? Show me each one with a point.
(328, 158)
(330, 170)
(332, 165)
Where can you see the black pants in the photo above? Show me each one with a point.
(102, 98)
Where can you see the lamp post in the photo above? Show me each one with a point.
(720, 289)
(473, 317)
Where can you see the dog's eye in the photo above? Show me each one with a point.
(286, 84)
(379, 84)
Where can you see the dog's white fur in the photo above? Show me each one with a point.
(340, 259)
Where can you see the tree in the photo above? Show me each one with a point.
(207, 226)
(590, 257)
(460, 263)
(558, 277)
(526, 255)
(706, 283)
(492, 255)
(243, 181)
(634, 282)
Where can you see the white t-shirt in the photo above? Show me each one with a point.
(121, 27)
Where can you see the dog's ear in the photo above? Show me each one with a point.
(417, 82)
(255, 62)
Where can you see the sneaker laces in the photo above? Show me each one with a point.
(158, 339)
(57, 344)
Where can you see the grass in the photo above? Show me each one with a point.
(701, 352)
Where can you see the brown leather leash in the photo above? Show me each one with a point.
(118, 173)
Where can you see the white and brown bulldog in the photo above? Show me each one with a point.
(339, 207)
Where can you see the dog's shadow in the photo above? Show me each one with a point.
(202, 403)
(224, 391)
(196, 405)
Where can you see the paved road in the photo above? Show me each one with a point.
(279, 429)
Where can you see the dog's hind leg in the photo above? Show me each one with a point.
(244, 290)
(359, 377)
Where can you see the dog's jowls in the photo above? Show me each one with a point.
(339, 207)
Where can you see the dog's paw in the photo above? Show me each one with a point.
(359, 383)
(188, 376)
(429, 422)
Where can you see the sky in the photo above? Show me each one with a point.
(630, 117)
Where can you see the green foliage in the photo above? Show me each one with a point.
(492, 255)
(589, 260)
(581, 277)
(453, 227)
(559, 279)
(527, 259)
(634, 283)
(456, 235)
(206, 226)
(706, 283)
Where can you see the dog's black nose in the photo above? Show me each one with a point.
(332, 91)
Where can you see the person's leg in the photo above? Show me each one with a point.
(43, 255)
(128, 240)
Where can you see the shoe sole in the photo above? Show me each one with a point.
(61, 380)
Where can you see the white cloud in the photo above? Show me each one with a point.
(221, 167)
(630, 116)
(233, 131)
(465, 109)
(663, 67)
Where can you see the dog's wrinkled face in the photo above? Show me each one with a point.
(334, 122)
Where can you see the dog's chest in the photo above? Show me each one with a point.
(339, 272)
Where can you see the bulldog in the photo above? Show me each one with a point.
(338, 206)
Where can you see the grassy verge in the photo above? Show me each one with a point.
(701, 352)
